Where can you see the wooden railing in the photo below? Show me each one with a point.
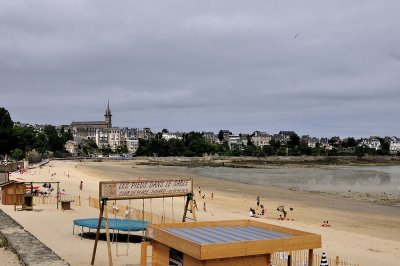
(50, 199)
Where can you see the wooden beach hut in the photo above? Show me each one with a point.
(222, 243)
(12, 193)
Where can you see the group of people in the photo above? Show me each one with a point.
(259, 211)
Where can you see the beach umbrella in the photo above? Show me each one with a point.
(324, 261)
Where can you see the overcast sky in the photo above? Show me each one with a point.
(323, 68)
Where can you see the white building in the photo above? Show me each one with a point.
(132, 144)
(168, 136)
(108, 137)
(235, 141)
(372, 143)
(394, 146)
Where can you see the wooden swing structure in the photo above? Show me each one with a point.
(142, 189)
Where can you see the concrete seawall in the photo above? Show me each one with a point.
(29, 249)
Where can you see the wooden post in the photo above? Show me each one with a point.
(58, 193)
(269, 259)
(337, 261)
(193, 211)
(186, 208)
(108, 238)
(289, 261)
(98, 231)
(310, 257)
(189, 199)
(143, 256)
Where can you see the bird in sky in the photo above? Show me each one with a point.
(297, 35)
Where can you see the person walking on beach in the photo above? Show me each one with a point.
(81, 185)
(258, 201)
(199, 191)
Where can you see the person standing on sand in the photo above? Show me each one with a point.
(199, 191)
(81, 185)
(195, 205)
(258, 201)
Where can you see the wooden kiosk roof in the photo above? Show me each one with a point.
(227, 239)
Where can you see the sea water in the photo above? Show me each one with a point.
(374, 179)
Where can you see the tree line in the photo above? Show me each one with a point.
(19, 141)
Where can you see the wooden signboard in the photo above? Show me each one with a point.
(142, 189)
(145, 189)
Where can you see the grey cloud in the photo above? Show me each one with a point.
(204, 64)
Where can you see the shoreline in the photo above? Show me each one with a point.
(271, 161)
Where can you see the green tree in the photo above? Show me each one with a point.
(17, 154)
(65, 136)
(220, 135)
(24, 138)
(294, 141)
(350, 142)
(55, 143)
(275, 143)
(361, 151)
(105, 151)
(385, 146)
(6, 130)
(40, 143)
(249, 150)
(90, 147)
(269, 150)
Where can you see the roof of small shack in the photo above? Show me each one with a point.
(225, 234)
(228, 239)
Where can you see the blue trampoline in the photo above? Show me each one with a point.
(116, 224)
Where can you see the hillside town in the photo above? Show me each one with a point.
(118, 140)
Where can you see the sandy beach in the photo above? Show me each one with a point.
(361, 232)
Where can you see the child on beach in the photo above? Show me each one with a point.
(81, 185)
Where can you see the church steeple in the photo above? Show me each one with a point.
(108, 115)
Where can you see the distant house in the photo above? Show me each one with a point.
(72, 147)
(309, 141)
(132, 144)
(372, 143)
(225, 134)
(284, 136)
(210, 136)
(394, 147)
(235, 142)
(260, 139)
